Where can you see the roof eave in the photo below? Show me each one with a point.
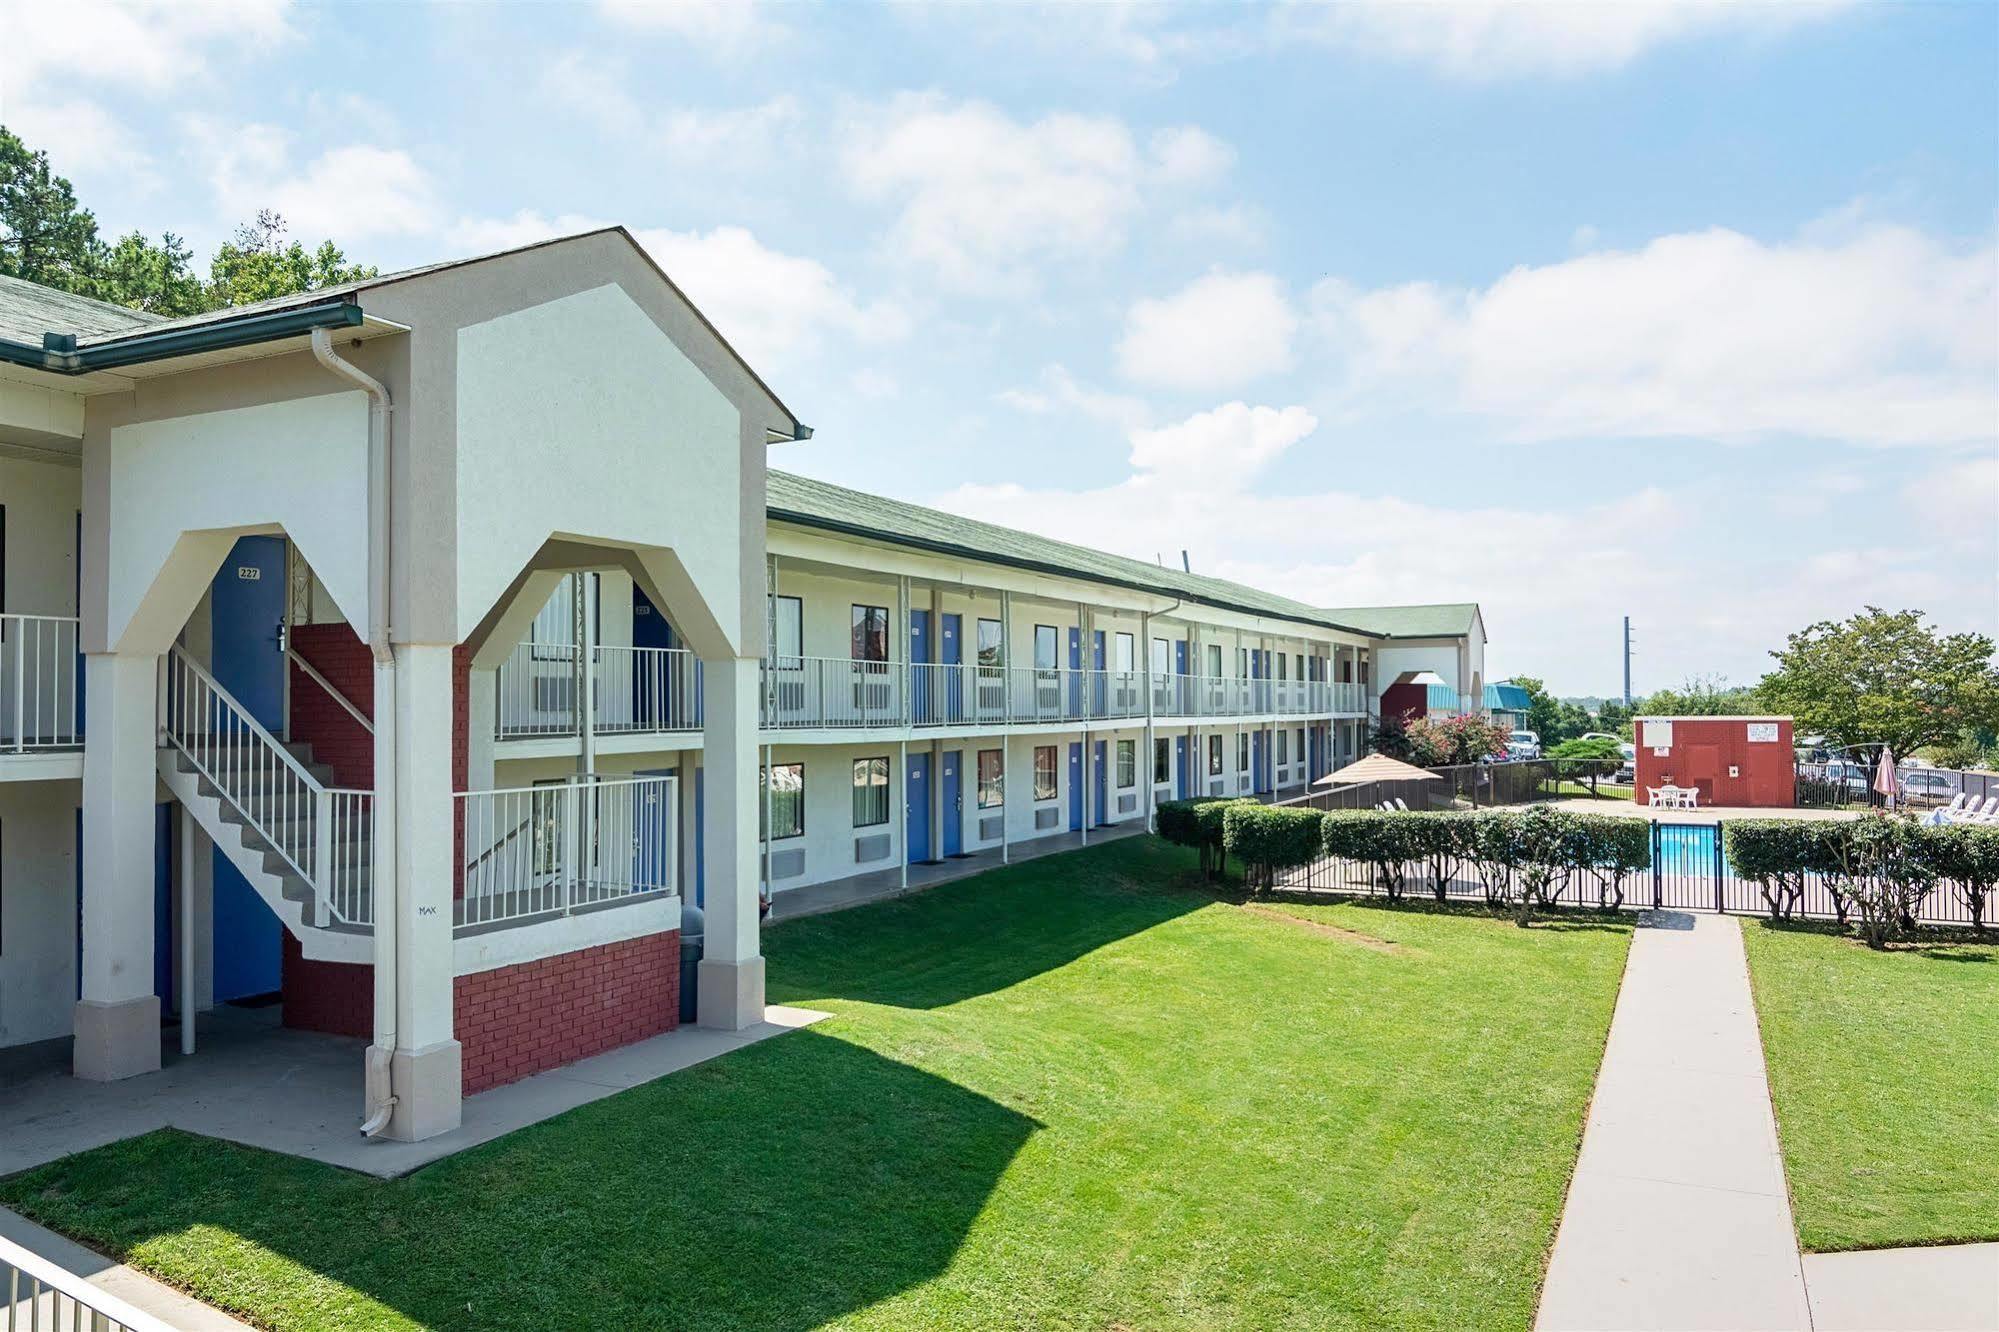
(142, 347)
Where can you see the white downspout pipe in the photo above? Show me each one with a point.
(381, 1099)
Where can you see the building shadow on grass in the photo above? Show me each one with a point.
(785, 1187)
(984, 933)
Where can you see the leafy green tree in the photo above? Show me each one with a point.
(1702, 696)
(1885, 677)
(262, 263)
(159, 279)
(45, 235)
(1578, 760)
(1450, 741)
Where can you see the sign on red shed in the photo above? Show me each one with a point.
(1738, 762)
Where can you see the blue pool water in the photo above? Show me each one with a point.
(1687, 848)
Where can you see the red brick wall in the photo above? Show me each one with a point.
(522, 1019)
(337, 740)
(333, 997)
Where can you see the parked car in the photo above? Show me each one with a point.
(1855, 777)
(1523, 745)
(1927, 786)
(1627, 768)
(1596, 735)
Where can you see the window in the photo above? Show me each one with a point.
(1214, 756)
(1127, 654)
(870, 641)
(1162, 762)
(1044, 772)
(1283, 748)
(1215, 661)
(1281, 660)
(1160, 660)
(788, 632)
(782, 811)
(1242, 753)
(992, 779)
(1242, 663)
(1127, 764)
(870, 792)
(990, 644)
(1045, 647)
(1298, 744)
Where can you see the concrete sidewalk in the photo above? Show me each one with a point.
(1678, 1216)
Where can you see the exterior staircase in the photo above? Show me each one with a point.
(304, 845)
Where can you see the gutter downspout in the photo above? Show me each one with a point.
(381, 1099)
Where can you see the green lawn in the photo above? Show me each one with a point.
(1884, 1068)
(1077, 1093)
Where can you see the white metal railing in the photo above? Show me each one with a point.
(802, 692)
(41, 1294)
(635, 689)
(534, 851)
(324, 834)
(40, 683)
(312, 673)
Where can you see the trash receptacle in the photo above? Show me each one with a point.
(690, 963)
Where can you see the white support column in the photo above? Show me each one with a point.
(731, 981)
(901, 790)
(1006, 795)
(188, 830)
(117, 1020)
(1149, 760)
(426, 1071)
(686, 775)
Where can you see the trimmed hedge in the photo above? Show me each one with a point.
(1966, 856)
(1779, 856)
(1267, 838)
(1198, 823)
(1389, 840)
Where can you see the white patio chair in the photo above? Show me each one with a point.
(1690, 797)
(1656, 797)
(1400, 806)
(1956, 806)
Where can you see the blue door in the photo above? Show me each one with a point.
(916, 799)
(919, 659)
(1179, 767)
(950, 654)
(652, 834)
(953, 802)
(1075, 786)
(1101, 760)
(654, 687)
(1256, 782)
(1099, 708)
(1312, 769)
(247, 657)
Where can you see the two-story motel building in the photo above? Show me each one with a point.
(419, 650)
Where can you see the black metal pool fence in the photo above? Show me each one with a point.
(1689, 872)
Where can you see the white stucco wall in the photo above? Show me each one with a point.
(37, 909)
(301, 464)
(580, 417)
(42, 501)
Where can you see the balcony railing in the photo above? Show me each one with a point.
(41, 694)
(548, 850)
(836, 692)
(637, 690)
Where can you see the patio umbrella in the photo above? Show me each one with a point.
(1884, 775)
(1376, 768)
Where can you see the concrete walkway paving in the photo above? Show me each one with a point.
(1949, 1288)
(1678, 1216)
(180, 1312)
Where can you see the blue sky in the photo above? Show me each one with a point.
(1685, 312)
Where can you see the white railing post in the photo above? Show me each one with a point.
(20, 628)
(572, 849)
(322, 857)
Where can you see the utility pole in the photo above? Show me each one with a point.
(1627, 661)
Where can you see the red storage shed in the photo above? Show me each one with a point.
(1732, 761)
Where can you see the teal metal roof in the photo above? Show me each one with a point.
(821, 504)
(1507, 697)
(1444, 620)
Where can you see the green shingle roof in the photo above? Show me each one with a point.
(1445, 620)
(821, 504)
(28, 310)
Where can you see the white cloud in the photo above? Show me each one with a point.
(1492, 39)
(747, 137)
(593, 89)
(1222, 449)
(1217, 332)
(484, 235)
(767, 303)
(983, 199)
(154, 47)
(723, 27)
(351, 192)
(1880, 335)
(1958, 503)
(1059, 389)
(80, 137)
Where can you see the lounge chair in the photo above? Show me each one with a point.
(1400, 806)
(1987, 815)
(1955, 807)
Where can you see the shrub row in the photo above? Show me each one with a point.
(1198, 823)
(1877, 869)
